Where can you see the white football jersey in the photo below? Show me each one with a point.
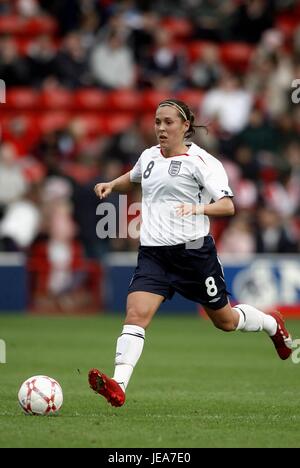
(195, 177)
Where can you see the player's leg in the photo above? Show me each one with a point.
(141, 307)
(247, 318)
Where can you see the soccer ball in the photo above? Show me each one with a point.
(40, 395)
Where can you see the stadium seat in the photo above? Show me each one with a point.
(17, 25)
(124, 100)
(236, 55)
(287, 25)
(151, 98)
(21, 98)
(195, 49)
(40, 25)
(117, 123)
(93, 123)
(180, 28)
(22, 130)
(90, 99)
(56, 99)
(51, 121)
(192, 97)
(11, 24)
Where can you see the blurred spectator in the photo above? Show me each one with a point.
(20, 223)
(6, 7)
(283, 195)
(66, 12)
(229, 103)
(165, 67)
(42, 60)
(212, 18)
(247, 162)
(252, 18)
(141, 38)
(13, 68)
(58, 268)
(272, 235)
(112, 64)
(12, 181)
(238, 237)
(259, 134)
(27, 8)
(72, 62)
(206, 71)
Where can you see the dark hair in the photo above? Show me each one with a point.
(186, 112)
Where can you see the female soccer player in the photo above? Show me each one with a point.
(182, 185)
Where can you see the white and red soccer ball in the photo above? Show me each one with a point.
(40, 395)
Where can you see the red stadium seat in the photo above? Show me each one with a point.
(21, 98)
(40, 25)
(236, 55)
(93, 123)
(90, 99)
(196, 48)
(287, 25)
(151, 98)
(56, 99)
(21, 130)
(51, 121)
(124, 100)
(117, 123)
(16, 25)
(11, 24)
(178, 27)
(192, 97)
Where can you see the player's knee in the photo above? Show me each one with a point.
(227, 326)
(137, 316)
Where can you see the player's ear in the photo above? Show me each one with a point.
(187, 125)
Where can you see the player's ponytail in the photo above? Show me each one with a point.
(184, 113)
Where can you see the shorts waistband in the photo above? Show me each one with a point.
(176, 246)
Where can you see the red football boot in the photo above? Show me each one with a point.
(107, 387)
(282, 339)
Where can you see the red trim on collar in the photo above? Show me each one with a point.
(175, 155)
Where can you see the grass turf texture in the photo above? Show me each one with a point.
(194, 386)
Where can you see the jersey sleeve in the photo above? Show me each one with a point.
(213, 177)
(136, 171)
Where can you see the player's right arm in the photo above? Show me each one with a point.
(122, 184)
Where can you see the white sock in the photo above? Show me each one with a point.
(129, 349)
(253, 320)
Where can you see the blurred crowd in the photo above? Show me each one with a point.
(234, 61)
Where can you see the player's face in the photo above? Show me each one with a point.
(169, 127)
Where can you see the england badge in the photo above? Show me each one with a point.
(174, 168)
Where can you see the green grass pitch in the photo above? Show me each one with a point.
(194, 386)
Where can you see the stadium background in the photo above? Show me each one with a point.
(83, 78)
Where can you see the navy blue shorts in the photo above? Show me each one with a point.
(194, 273)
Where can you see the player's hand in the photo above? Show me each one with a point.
(188, 209)
(103, 189)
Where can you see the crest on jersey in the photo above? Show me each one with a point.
(174, 168)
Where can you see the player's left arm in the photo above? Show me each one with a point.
(213, 177)
(222, 207)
